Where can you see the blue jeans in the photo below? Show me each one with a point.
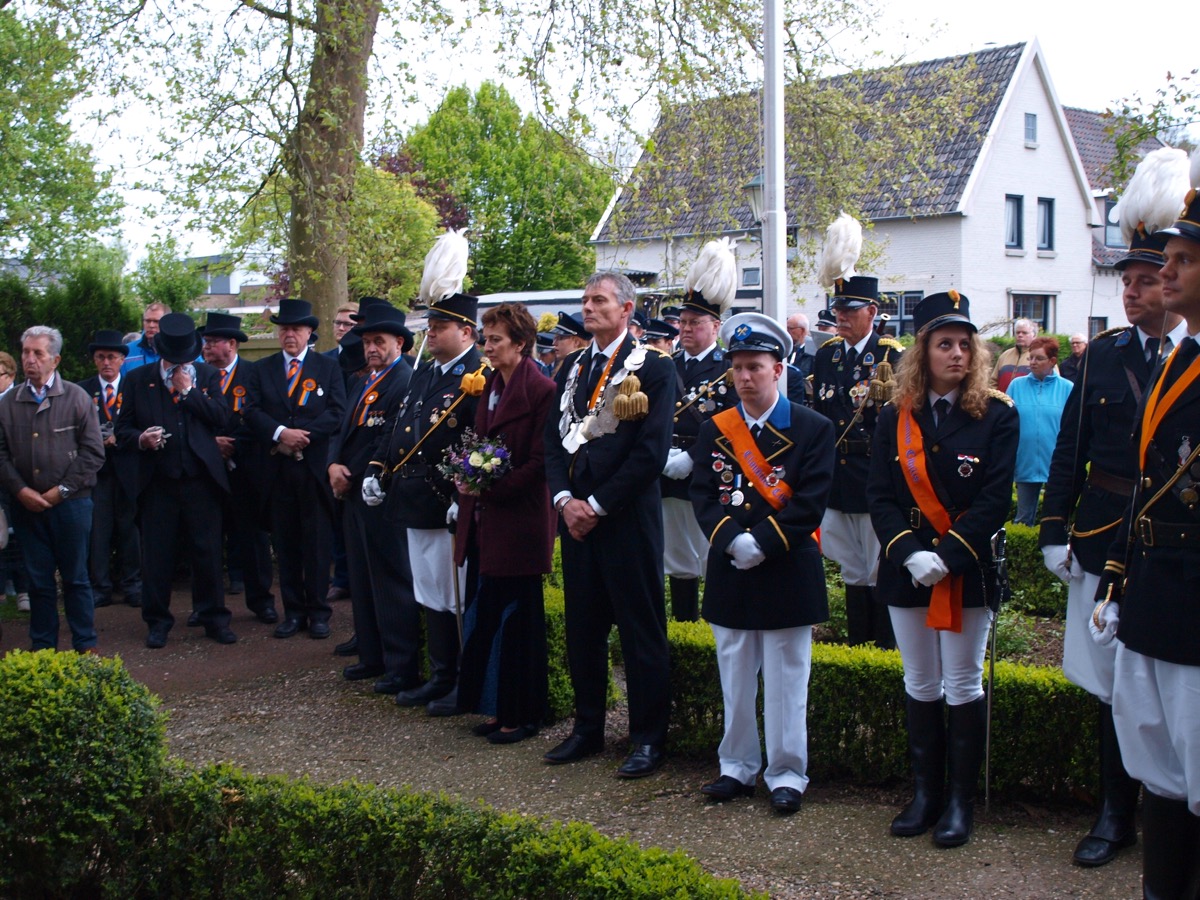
(58, 539)
(1028, 493)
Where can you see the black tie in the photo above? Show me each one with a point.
(941, 409)
(851, 357)
(755, 431)
(1152, 351)
(598, 360)
(688, 365)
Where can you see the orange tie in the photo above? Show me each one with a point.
(293, 375)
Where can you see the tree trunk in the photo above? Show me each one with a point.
(323, 152)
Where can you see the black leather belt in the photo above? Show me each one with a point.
(917, 520)
(412, 470)
(1167, 534)
(854, 448)
(682, 441)
(1114, 484)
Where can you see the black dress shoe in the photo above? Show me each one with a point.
(445, 707)
(267, 615)
(575, 748)
(98, 602)
(642, 761)
(1097, 851)
(289, 628)
(727, 788)
(222, 634)
(786, 800)
(193, 619)
(336, 593)
(500, 736)
(157, 638)
(361, 672)
(347, 648)
(483, 729)
(392, 684)
(236, 587)
(426, 693)
(318, 631)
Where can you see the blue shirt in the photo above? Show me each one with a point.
(1040, 404)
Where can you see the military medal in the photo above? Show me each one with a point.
(736, 498)
(965, 469)
(727, 476)
(718, 465)
(721, 390)
(452, 422)
(1185, 450)
(723, 499)
(1190, 496)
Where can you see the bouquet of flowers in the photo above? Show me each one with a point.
(476, 463)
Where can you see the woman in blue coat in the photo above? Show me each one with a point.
(1039, 397)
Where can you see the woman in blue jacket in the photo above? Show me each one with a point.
(1039, 397)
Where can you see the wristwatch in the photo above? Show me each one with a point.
(562, 504)
(64, 491)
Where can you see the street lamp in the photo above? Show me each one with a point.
(754, 198)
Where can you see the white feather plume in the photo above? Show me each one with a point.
(843, 246)
(714, 273)
(445, 267)
(1155, 194)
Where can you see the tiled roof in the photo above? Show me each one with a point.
(1096, 147)
(704, 153)
(1104, 256)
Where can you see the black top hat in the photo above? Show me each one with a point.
(669, 314)
(224, 325)
(757, 333)
(351, 356)
(937, 310)
(1188, 225)
(364, 303)
(107, 339)
(177, 341)
(1144, 248)
(571, 326)
(295, 312)
(461, 308)
(856, 292)
(826, 317)
(696, 302)
(382, 316)
(658, 329)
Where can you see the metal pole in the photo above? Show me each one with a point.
(774, 224)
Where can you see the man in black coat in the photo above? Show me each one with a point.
(603, 458)
(762, 479)
(171, 416)
(294, 405)
(114, 500)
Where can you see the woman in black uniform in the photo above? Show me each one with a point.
(940, 486)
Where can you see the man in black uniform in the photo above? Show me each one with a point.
(603, 456)
(845, 390)
(1095, 466)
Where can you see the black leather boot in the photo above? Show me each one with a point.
(1115, 827)
(966, 733)
(927, 750)
(442, 631)
(885, 638)
(860, 618)
(685, 599)
(1170, 844)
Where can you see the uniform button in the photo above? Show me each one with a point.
(37, 471)
(1103, 400)
(842, 461)
(35, 434)
(407, 429)
(1146, 482)
(747, 506)
(935, 541)
(677, 417)
(678, 404)
(841, 422)
(936, 448)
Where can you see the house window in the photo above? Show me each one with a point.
(1012, 221)
(1030, 128)
(899, 307)
(1045, 224)
(1035, 307)
(1112, 230)
(751, 277)
(1096, 324)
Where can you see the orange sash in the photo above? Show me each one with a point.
(1153, 414)
(732, 424)
(945, 606)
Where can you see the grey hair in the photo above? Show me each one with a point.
(45, 331)
(1019, 322)
(626, 292)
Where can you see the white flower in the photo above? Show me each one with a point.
(476, 458)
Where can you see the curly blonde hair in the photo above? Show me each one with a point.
(912, 387)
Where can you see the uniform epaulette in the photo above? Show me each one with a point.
(832, 340)
(663, 353)
(889, 341)
(1110, 332)
(1001, 396)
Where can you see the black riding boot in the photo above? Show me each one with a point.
(1170, 844)
(967, 730)
(860, 617)
(885, 638)
(1115, 827)
(442, 631)
(685, 599)
(927, 750)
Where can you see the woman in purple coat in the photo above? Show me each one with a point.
(511, 526)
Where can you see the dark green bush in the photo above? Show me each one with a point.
(81, 746)
(1035, 589)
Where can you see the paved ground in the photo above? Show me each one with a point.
(276, 706)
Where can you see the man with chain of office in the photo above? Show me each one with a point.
(852, 381)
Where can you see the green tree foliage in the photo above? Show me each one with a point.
(87, 298)
(51, 194)
(1170, 114)
(16, 314)
(532, 197)
(163, 276)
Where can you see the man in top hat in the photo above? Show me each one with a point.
(115, 547)
(294, 406)
(170, 417)
(439, 405)
(1151, 580)
(603, 457)
(386, 619)
(843, 373)
(247, 541)
(661, 336)
(764, 468)
(569, 337)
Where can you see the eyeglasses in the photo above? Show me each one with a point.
(342, 323)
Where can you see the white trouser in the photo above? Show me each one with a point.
(849, 540)
(784, 656)
(685, 548)
(1085, 662)
(431, 556)
(937, 662)
(1156, 708)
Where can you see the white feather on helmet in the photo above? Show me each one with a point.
(714, 274)
(1155, 194)
(445, 267)
(843, 246)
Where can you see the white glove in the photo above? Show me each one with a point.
(1103, 622)
(372, 493)
(679, 464)
(1055, 558)
(926, 568)
(452, 513)
(745, 551)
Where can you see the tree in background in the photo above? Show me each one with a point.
(1171, 115)
(17, 312)
(164, 276)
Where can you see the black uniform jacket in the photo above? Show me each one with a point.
(146, 402)
(699, 395)
(1096, 438)
(419, 495)
(122, 464)
(970, 464)
(269, 406)
(621, 468)
(788, 588)
(353, 445)
(833, 381)
(1160, 610)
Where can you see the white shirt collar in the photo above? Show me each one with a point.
(611, 348)
(445, 368)
(861, 345)
(702, 354)
(114, 383)
(287, 357)
(761, 420)
(951, 396)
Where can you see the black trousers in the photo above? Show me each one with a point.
(302, 528)
(178, 513)
(247, 545)
(114, 528)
